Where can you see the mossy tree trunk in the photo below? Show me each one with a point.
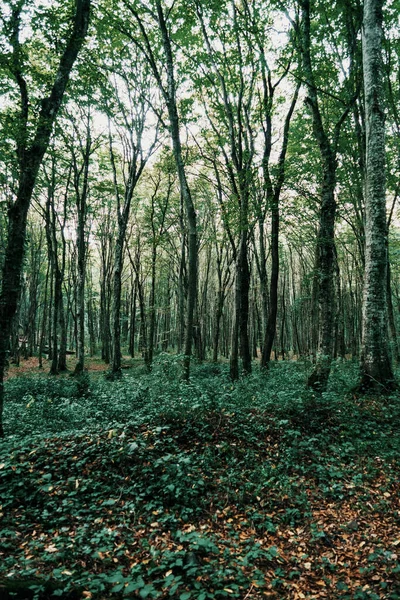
(376, 366)
(325, 250)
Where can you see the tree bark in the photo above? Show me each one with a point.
(376, 366)
(325, 251)
(117, 286)
(152, 297)
(243, 291)
(107, 234)
(81, 185)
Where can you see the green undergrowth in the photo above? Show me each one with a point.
(150, 487)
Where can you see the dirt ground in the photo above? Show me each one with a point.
(31, 366)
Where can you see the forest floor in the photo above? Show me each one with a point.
(94, 365)
(148, 487)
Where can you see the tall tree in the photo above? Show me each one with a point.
(131, 82)
(56, 249)
(325, 251)
(81, 146)
(273, 194)
(168, 90)
(376, 367)
(228, 98)
(30, 150)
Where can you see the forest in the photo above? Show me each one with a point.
(199, 299)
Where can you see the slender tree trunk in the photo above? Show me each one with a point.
(53, 260)
(56, 309)
(105, 279)
(325, 252)
(217, 322)
(376, 367)
(234, 358)
(91, 317)
(152, 296)
(339, 348)
(263, 275)
(392, 321)
(170, 97)
(80, 299)
(273, 294)
(33, 298)
(283, 322)
(81, 185)
(132, 327)
(143, 321)
(244, 281)
(167, 319)
(44, 319)
(275, 225)
(143, 345)
(62, 354)
(182, 292)
(117, 285)
(137, 162)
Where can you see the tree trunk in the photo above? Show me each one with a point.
(80, 300)
(245, 351)
(325, 251)
(143, 321)
(275, 224)
(30, 159)
(182, 292)
(81, 185)
(44, 319)
(105, 289)
(91, 317)
(170, 97)
(217, 322)
(234, 358)
(152, 310)
(376, 367)
(132, 326)
(263, 275)
(117, 284)
(318, 380)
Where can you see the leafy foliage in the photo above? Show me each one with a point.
(149, 487)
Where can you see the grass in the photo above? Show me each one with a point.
(148, 487)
